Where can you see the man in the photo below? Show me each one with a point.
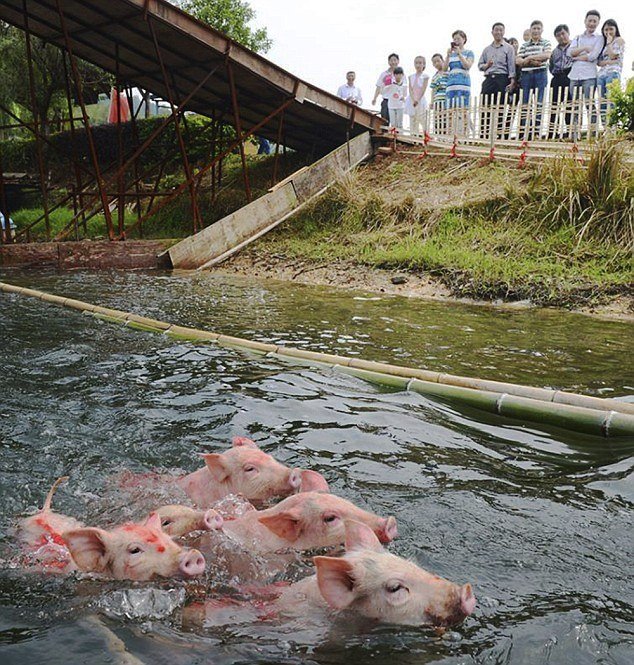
(584, 51)
(386, 78)
(7, 233)
(497, 62)
(349, 91)
(533, 59)
(560, 64)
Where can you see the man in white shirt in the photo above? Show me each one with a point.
(349, 91)
(584, 50)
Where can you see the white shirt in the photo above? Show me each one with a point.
(396, 94)
(583, 70)
(350, 93)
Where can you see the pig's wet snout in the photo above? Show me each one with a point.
(387, 530)
(295, 479)
(212, 520)
(191, 563)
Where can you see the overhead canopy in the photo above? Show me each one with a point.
(104, 31)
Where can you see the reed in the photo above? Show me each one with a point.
(595, 198)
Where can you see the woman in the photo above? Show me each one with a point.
(457, 65)
(610, 61)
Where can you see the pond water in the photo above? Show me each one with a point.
(539, 520)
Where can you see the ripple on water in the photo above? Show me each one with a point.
(539, 520)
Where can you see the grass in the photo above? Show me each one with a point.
(514, 242)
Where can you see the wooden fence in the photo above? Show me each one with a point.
(569, 115)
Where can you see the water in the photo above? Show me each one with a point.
(539, 520)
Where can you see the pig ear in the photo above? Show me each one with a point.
(88, 547)
(336, 581)
(313, 482)
(216, 466)
(361, 537)
(153, 521)
(286, 525)
(243, 442)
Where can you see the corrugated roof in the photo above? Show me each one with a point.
(315, 120)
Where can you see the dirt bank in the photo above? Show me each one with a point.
(409, 284)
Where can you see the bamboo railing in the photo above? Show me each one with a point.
(581, 413)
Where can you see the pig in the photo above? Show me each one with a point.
(305, 521)
(40, 536)
(57, 543)
(132, 552)
(367, 581)
(262, 544)
(177, 520)
(45, 526)
(245, 469)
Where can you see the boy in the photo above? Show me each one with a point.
(396, 94)
(438, 85)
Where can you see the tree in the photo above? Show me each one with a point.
(48, 74)
(231, 17)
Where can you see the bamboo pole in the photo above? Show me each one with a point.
(581, 413)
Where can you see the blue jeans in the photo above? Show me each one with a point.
(602, 84)
(535, 80)
(585, 89)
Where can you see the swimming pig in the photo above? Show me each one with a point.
(367, 581)
(305, 521)
(57, 543)
(245, 469)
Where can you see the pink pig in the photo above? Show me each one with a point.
(177, 520)
(57, 543)
(304, 521)
(245, 469)
(132, 552)
(367, 580)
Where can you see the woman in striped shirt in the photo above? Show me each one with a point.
(457, 65)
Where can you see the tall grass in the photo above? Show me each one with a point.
(596, 199)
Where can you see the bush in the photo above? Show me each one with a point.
(622, 113)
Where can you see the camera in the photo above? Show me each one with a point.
(453, 45)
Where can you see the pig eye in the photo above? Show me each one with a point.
(166, 522)
(249, 469)
(393, 588)
(328, 519)
(134, 549)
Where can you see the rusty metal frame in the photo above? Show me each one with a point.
(87, 126)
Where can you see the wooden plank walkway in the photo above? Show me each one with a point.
(230, 234)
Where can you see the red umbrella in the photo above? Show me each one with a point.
(119, 109)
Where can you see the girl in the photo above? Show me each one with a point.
(610, 61)
(416, 104)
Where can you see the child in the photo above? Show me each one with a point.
(438, 86)
(416, 104)
(396, 94)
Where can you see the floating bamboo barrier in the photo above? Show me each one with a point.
(580, 413)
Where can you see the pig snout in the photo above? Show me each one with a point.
(387, 530)
(191, 563)
(313, 482)
(295, 479)
(212, 520)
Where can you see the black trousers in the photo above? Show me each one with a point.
(385, 112)
(493, 86)
(560, 86)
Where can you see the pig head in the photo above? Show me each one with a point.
(306, 521)
(378, 585)
(177, 520)
(245, 469)
(132, 551)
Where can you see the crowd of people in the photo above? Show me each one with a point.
(580, 67)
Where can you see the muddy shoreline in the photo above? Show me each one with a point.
(353, 276)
